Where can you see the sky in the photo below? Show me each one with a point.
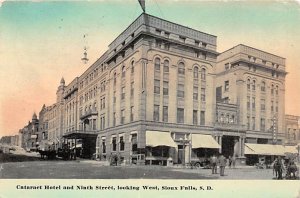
(43, 41)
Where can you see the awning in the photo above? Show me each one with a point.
(290, 149)
(264, 149)
(159, 138)
(204, 141)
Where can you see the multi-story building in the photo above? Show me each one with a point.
(28, 135)
(292, 129)
(162, 93)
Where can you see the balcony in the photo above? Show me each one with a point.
(88, 113)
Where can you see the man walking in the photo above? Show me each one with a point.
(213, 162)
(222, 164)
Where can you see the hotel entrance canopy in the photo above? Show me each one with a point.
(264, 149)
(159, 138)
(204, 141)
(79, 134)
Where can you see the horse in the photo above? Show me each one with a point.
(292, 171)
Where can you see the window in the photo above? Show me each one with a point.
(203, 95)
(180, 91)
(132, 67)
(203, 74)
(114, 119)
(123, 71)
(262, 124)
(202, 118)
(272, 89)
(94, 124)
(134, 148)
(248, 102)
(156, 113)
(103, 146)
(253, 123)
(276, 107)
(262, 104)
(122, 116)
(253, 85)
(166, 66)
(263, 86)
(131, 113)
(272, 105)
(248, 84)
(248, 122)
(195, 117)
(123, 93)
(131, 89)
(122, 143)
(180, 115)
(157, 64)
(165, 88)
(114, 143)
(165, 114)
(226, 86)
(181, 69)
(156, 86)
(196, 70)
(195, 93)
(276, 90)
(253, 103)
(115, 78)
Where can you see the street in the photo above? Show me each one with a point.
(96, 170)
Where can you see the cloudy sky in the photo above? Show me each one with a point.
(41, 41)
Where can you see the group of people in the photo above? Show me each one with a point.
(68, 153)
(221, 161)
(289, 167)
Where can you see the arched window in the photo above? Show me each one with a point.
(203, 74)
(248, 84)
(263, 86)
(166, 66)
(123, 71)
(196, 70)
(132, 67)
(181, 69)
(253, 85)
(276, 91)
(272, 89)
(157, 64)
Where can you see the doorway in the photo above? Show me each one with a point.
(228, 145)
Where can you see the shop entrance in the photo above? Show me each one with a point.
(180, 154)
(228, 145)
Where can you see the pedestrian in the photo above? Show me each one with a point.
(213, 161)
(278, 167)
(233, 161)
(229, 161)
(222, 164)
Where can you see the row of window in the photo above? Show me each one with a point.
(180, 115)
(122, 120)
(92, 75)
(262, 104)
(119, 145)
(253, 126)
(274, 89)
